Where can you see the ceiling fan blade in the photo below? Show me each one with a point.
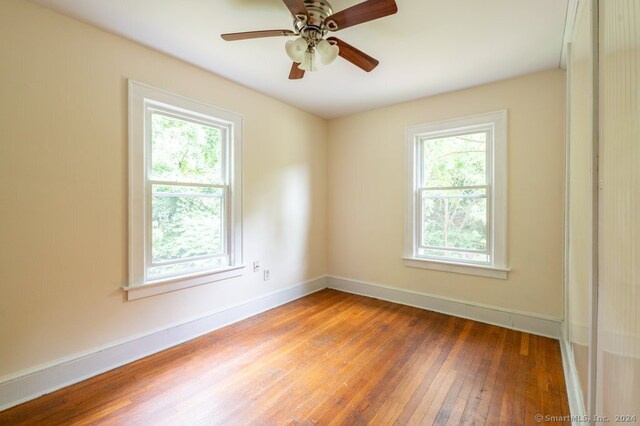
(362, 12)
(295, 73)
(355, 56)
(296, 7)
(256, 34)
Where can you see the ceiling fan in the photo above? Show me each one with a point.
(312, 21)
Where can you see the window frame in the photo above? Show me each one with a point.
(495, 123)
(144, 100)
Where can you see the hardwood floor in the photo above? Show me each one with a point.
(328, 358)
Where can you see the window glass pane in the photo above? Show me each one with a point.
(183, 151)
(455, 160)
(187, 222)
(455, 218)
(186, 267)
(454, 255)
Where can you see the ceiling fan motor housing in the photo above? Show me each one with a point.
(314, 24)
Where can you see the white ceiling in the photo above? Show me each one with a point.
(428, 47)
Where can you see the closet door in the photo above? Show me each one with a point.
(618, 384)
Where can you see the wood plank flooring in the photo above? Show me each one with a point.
(329, 358)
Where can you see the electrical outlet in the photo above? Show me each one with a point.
(267, 275)
(256, 266)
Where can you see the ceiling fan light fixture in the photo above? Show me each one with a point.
(308, 62)
(312, 20)
(296, 49)
(328, 52)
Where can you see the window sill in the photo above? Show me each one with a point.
(166, 285)
(459, 268)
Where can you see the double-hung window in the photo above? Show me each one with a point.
(456, 195)
(184, 183)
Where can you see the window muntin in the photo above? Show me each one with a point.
(453, 198)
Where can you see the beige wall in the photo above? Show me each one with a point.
(63, 188)
(366, 181)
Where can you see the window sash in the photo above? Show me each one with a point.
(423, 139)
(421, 189)
(420, 143)
(421, 222)
(224, 218)
(226, 228)
(153, 108)
(226, 225)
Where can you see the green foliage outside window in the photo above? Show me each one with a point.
(187, 221)
(455, 214)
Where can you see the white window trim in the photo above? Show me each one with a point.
(139, 286)
(498, 210)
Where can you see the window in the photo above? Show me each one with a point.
(456, 195)
(184, 192)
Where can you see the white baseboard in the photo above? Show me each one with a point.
(27, 385)
(574, 392)
(523, 321)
